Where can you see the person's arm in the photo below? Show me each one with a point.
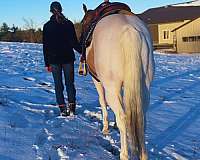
(45, 46)
(74, 40)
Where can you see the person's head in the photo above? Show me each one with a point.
(55, 7)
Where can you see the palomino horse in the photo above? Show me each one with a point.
(122, 53)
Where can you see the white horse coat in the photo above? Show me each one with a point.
(124, 63)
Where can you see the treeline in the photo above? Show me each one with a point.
(29, 34)
(16, 34)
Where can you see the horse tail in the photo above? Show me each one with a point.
(132, 45)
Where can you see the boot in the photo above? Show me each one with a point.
(63, 110)
(72, 108)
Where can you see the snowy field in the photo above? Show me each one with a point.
(30, 128)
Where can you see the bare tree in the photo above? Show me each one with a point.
(30, 27)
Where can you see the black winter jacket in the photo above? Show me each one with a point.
(59, 40)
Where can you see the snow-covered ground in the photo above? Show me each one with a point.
(30, 128)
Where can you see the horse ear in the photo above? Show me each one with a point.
(85, 8)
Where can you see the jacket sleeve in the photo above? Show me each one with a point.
(45, 46)
(74, 40)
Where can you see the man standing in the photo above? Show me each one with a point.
(59, 40)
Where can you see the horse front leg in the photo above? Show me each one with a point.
(103, 104)
(105, 129)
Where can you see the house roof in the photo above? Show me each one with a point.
(182, 25)
(168, 14)
(189, 3)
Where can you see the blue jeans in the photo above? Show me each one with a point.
(68, 69)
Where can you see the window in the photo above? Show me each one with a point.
(166, 34)
(191, 39)
(185, 39)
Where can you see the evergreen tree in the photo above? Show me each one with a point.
(4, 28)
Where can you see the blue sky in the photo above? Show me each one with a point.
(15, 11)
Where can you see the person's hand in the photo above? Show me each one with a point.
(82, 59)
(49, 69)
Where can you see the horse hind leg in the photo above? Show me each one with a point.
(103, 104)
(114, 99)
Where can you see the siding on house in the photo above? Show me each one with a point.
(167, 27)
(153, 28)
(188, 37)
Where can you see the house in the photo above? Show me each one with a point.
(187, 37)
(174, 26)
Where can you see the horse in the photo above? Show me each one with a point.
(122, 52)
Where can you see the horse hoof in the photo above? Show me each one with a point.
(144, 156)
(105, 131)
(124, 157)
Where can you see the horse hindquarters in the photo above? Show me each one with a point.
(133, 90)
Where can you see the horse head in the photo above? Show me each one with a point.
(87, 19)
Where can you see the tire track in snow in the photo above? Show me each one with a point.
(177, 128)
(170, 95)
(168, 79)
